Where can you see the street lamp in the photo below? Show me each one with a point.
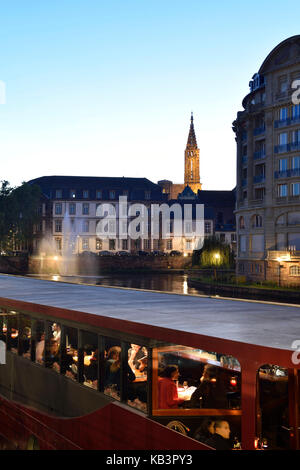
(217, 260)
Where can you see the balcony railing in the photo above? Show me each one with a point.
(287, 147)
(283, 255)
(259, 154)
(259, 130)
(287, 173)
(259, 178)
(286, 122)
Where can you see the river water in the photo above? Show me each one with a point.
(160, 282)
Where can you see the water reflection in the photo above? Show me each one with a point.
(159, 282)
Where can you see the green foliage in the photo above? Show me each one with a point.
(214, 253)
(19, 211)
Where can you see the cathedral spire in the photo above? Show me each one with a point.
(192, 142)
(191, 160)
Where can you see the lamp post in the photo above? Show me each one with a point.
(217, 258)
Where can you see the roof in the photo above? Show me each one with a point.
(217, 198)
(255, 323)
(49, 184)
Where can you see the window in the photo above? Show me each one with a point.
(195, 379)
(112, 366)
(58, 208)
(295, 163)
(85, 243)
(257, 221)
(233, 237)
(188, 227)
(58, 193)
(283, 138)
(188, 244)
(85, 194)
(112, 244)
(58, 244)
(295, 271)
(147, 194)
(85, 226)
(52, 346)
(137, 376)
(112, 194)
(222, 237)
(70, 356)
(207, 227)
(296, 136)
(283, 114)
(283, 164)
(242, 243)
(98, 244)
(125, 244)
(295, 189)
(273, 419)
(296, 111)
(169, 244)
(72, 194)
(85, 208)
(58, 225)
(90, 360)
(25, 336)
(98, 194)
(39, 342)
(72, 208)
(282, 190)
(241, 222)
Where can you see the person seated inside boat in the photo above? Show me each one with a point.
(211, 391)
(137, 358)
(167, 388)
(112, 368)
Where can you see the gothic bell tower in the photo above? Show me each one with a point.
(192, 161)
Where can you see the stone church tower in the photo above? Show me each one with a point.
(192, 161)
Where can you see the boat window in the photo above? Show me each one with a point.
(12, 332)
(39, 342)
(3, 326)
(25, 336)
(195, 382)
(90, 359)
(112, 365)
(53, 340)
(69, 353)
(137, 376)
(273, 414)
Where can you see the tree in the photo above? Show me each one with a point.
(213, 253)
(19, 211)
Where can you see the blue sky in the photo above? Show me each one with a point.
(106, 88)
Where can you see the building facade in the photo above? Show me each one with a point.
(268, 170)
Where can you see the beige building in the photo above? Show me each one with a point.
(268, 170)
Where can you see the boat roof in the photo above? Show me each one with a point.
(254, 322)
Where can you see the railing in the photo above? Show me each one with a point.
(259, 154)
(284, 255)
(259, 130)
(259, 178)
(287, 147)
(286, 122)
(287, 173)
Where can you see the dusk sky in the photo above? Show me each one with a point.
(106, 88)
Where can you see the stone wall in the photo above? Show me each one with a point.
(94, 265)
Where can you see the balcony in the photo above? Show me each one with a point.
(287, 255)
(287, 173)
(259, 154)
(259, 130)
(286, 122)
(287, 147)
(282, 148)
(259, 178)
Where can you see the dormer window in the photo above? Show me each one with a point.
(58, 194)
(72, 194)
(85, 194)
